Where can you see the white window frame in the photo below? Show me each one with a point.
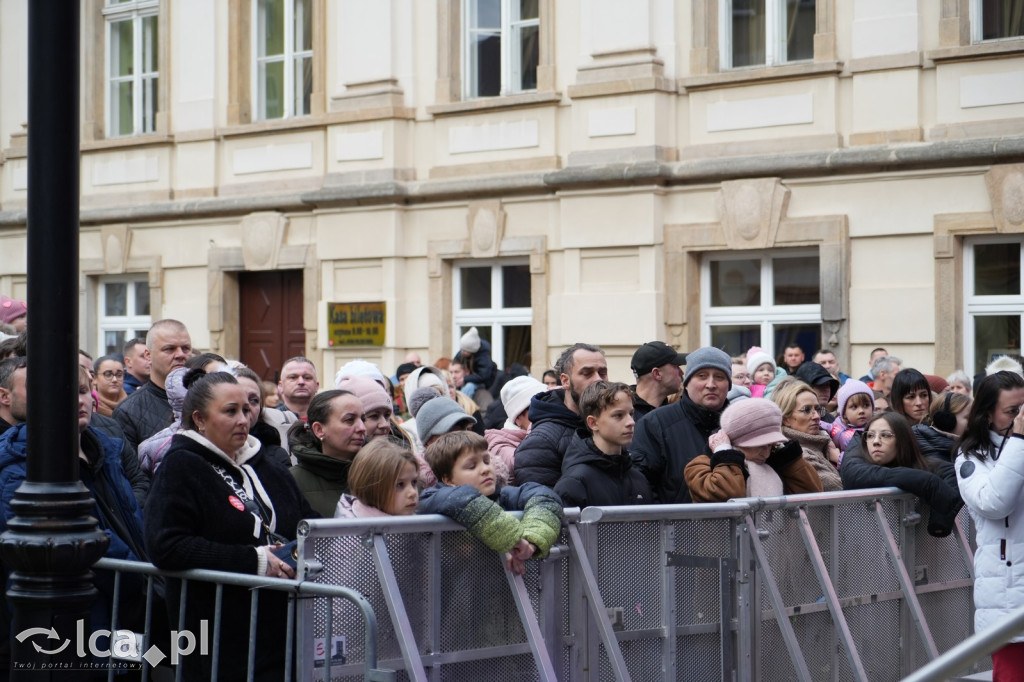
(289, 58)
(123, 323)
(766, 315)
(981, 306)
(511, 56)
(774, 49)
(496, 317)
(976, 25)
(135, 12)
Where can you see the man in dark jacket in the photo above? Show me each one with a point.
(138, 478)
(13, 399)
(146, 411)
(824, 384)
(555, 415)
(115, 507)
(667, 439)
(136, 365)
(657, 368)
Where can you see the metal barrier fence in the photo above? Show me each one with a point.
(839, 586)
(302, 651)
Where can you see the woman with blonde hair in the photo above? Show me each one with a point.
(801, 421)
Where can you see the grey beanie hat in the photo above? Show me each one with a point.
(707, 357)
(438, 416)
(420, 397)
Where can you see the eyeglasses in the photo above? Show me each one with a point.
(883, 435)
(111, 374)
(809, 409)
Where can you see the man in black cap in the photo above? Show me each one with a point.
(656, 366)
(824, 384)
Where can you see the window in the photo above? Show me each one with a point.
(997, 19)
(123, 306)
(132, 74)
(994, 300)
(501, 46)
(283, 58)
(766, 32)
(495, 298)
(761, 299)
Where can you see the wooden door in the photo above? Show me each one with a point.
(271, 331)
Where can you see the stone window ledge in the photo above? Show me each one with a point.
(150, 140)
(495, 103)
(759, 75)
(966, 53)
(887, 62)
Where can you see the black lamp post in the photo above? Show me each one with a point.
(52, 541)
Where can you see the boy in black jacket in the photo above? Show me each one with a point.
(596, 469)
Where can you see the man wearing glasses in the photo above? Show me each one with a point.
(823, 383)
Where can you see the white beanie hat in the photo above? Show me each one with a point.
(756, 357)
(516, 395)
(470, 341)
(425, 376)
(359, 368)
(1003, 363)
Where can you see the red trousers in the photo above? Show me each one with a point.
(1008, 663)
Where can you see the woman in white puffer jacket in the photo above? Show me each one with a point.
(990, 473)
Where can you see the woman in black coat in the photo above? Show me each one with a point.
(219, 502)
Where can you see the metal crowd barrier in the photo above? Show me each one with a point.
(298, 592)
(831, 586)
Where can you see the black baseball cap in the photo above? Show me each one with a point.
(655, 354)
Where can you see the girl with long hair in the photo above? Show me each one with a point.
(887, 455)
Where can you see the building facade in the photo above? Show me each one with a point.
(727, 172)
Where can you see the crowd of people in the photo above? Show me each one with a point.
(195, 462)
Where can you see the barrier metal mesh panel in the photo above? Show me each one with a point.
(876, 631)
(472, 624)
(815, 634)
(349, 561)
(698, 589)
(853, 551)
(787, 555)
(698, 658)
(949, 612)
(474, 607)
(631, 560)
(862, 563)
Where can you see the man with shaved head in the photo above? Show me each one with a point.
(146, 411)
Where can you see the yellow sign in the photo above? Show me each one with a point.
(355, 324)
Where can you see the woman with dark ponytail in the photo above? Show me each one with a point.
(219, 502)
(990, 473)
(324, 445)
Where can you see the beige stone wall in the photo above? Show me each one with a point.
(636, 155)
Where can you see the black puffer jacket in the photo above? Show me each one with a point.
(937, 486)
(590, 477)
(552, 425)
(129, 458)
(666, 440)
(934, 443)
(144, 413)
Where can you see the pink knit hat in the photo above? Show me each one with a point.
(369, 392)
(11, 309)
(752, 423)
